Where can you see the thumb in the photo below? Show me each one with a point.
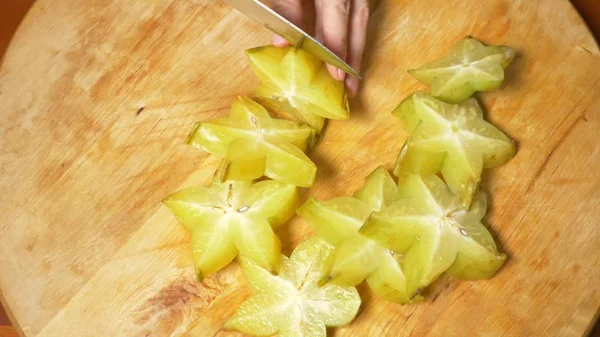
(291, 10)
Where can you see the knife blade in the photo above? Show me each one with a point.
(276, 23)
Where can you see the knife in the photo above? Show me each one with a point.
(279, 25)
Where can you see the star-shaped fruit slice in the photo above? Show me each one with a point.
(254, 144)
(292, 303)
(355, 257)
(233, 217)
(298, 85)
(452, 139)
(436, 234)
(470, 66)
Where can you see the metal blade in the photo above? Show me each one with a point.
(276, 23)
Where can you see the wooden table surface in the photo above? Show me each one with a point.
(11, 11)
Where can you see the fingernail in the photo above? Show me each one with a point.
(341, 74)
(278, 41)
(334, 72)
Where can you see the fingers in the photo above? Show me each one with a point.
(291, 10)
(278, 41)
(335, 15)
(359, 19)
(319, 20)
(342, 27)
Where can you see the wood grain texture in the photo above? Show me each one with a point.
(96, 98)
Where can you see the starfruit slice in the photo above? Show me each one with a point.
(292, 303)
(452, 139)
(355, 257)
(436, 234)
(298, 85)
(470, 66)
(233, 217)
(254, 144)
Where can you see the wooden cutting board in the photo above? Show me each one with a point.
(97, 96)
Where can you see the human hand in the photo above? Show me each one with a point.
(341, 25)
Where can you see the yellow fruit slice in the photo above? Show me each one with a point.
(291, 303)
(246, 160)
(212, 247)
(215, 137)
(478, 256)
(433, 253)
(300, 137)
(397, 226)
(452, 139)
(469, 66)
(254, 238)
(378, 190)
(286, 163)
(281, 107)
(193, 207)
(429, 225)
(231, 217)
(335, 220)
(355, 257)
(273, 201)
(389, 280)
(266, 64)
(254, 144)
(298, 85)
(353, 260)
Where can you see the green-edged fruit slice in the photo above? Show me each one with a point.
(298, 85)
(337, 219)
(470, 66)
(452, 139)
(388, 281)
(254, 144)
(436, 234)
(292, 304)
(234, 217)
(355, 257)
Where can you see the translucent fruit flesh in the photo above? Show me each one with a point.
(254, 144)
(451, 139)
(297, 84)
(292, 303)
(436, 234)
(335, 220)
(234, 217)
(389, 280)
(470, 66)
(355, 257)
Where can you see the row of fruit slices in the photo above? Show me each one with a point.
(398, 237)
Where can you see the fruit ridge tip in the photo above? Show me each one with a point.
(200, 276)
(228, 325)
(190, 136)
(251, 51)
(324, 280)
(169, 199)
